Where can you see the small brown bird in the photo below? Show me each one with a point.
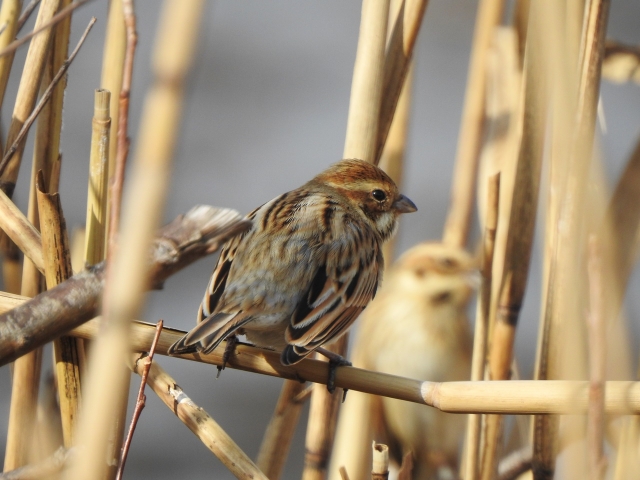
(417, 327)
(308, 266)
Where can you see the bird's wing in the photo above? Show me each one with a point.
(331, 304)
(218, 280)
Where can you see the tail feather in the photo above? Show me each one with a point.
(208, 334)
(293, 354)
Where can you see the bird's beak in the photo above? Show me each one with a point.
(404, 205)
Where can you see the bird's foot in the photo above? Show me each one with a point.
(335, 361)
(228, 350)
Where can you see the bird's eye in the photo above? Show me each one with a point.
(379, 195)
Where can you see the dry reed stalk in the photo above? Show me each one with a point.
(26, 380)
(54, 20)
(122, 138)
(627, 458)
(96, 222)
(50, 149)
(9, 13)
(392, 160)
(621, 63)
(21, 231)
(275, 445)
(198, 421)
(458, 222)
(141, 400)
(517, 251)
(129, 275)
(597, 334)
(520, 397)
(69, 352)
(112, 70)
(521, 23)
(574, 95)
(367, 82)
(343, 473)
(402, 40)
(380, 463)
(321, 426)
(479, 355)
(28, 90)
(360, 142)
(189, 237)
(353, 431)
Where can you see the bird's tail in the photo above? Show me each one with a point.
(208, 334)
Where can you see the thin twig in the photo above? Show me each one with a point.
(141, 400)
(58, 17)
(43, 100)
(199, 422)
(26, 13)
(122, 146)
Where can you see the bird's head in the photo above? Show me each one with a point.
(371, 191)
(444, 275)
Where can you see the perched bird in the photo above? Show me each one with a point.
(418, 328)
(308, 266)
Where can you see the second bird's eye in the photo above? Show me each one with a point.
(379, 195)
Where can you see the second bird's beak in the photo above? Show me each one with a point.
(404, 205)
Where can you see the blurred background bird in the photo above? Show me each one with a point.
(417, 327)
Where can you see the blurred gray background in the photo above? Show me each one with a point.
(266, 109)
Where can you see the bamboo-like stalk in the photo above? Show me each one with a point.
(275, 445)
(28, 90)
(360, 142)
(458, 221)
(392, 160)
(517, 252)
(366, 85)
(9, 14)
(112, 70)
(575, 96)
(9, 11)
(597, 334)
(129, 277)
(353, 432)
(54, 20)
(68, 352)
(478, 360)
(198, 421)
(519, 397)
(402, 38)
(21, 231)
(380, 464)
(96, 219)
(323, 417)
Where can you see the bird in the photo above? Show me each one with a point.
(306, 268)
(417, 327)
